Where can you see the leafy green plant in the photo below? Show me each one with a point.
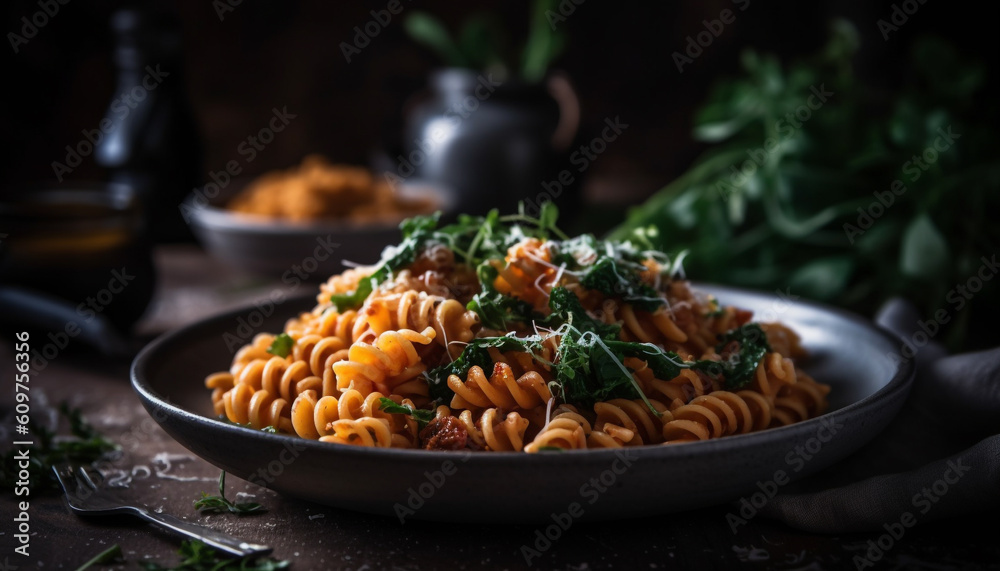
(85, 446)
(820, 184)
(200, 557)
(481, 43)
(110, 555)
(220, 504)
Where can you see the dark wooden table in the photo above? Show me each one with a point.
(164, 475)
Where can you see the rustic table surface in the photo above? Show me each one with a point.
(162, 474)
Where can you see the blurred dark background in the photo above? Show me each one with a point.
(267, 54)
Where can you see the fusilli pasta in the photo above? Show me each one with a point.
(492, 335)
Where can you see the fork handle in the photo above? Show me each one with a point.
(215, 539)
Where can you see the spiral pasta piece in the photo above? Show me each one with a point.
(502, 389)
(258, 408)
(389, 361)
(256, 349)
(799, 401)
(494, 431)
(220, 383)
(568, 430)
(320, 353)
(627, 423)
(720, 413)
(361, 432)
(451, 321)
(313, 417)
(681, 389)
(527, 272)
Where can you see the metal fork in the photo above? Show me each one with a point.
(88, 499)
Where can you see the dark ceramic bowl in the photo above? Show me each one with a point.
(312, 251)
(846, 351)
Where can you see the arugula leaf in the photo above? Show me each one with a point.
(606, 277)
(591, 370)
(197, 556)
(474, 239)
(737, 366)
(495, 309)
(352, 300)
(422, 416)
(477, 239)
(566, 308)
(575, 380)
(419, 225)
(476, 354)
(665, 364)
(610, 267)
(219, 504)
(282, 345)
(416, 232)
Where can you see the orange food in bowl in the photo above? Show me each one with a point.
(317, 190)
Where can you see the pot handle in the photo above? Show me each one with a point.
(560, 88)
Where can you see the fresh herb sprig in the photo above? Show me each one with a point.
(476, 354)
(220, 504)
(495, 309)
(565, 307)
(422, 416)
(417, 232)
(110, 555)
(739, 362)
(282, 345)
(197, 556)
(270, 429)
(85, 446)
(474, 239)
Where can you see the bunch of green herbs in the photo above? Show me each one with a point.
(821, 185)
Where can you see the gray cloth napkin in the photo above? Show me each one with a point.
(939, 458)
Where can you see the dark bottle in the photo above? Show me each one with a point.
(152, 143)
